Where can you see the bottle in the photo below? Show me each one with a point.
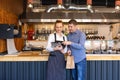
(66, 32)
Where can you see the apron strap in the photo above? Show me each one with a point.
(63, 38)
(55, 37)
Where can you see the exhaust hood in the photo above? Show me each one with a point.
(65, 11)
(66, 16)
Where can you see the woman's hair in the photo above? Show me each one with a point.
(72, 21)
(57, 21)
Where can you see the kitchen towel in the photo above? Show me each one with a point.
(11, 46)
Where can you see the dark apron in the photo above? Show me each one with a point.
(56, 66)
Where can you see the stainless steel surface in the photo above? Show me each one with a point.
(66, 16)
(68, 8)
(55, 7)
(67, 11)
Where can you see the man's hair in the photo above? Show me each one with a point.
(73, 21)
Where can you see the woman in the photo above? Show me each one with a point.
(56, 62)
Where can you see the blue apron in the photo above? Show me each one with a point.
(56, 66)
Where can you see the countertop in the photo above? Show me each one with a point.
(37, 56)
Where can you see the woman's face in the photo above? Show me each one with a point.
(58, 27)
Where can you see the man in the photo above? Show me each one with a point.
(76, 41)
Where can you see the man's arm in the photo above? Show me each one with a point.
(79, 45)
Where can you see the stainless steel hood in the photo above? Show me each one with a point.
(66, 16)
(67, 11)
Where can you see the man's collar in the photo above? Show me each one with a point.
(75, 32)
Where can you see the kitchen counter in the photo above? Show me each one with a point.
(32, 65)
(36, 56)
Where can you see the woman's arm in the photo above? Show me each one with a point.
(50, 39)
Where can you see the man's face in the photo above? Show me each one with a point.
(72, 28)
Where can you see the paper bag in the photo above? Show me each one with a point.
(70, 62)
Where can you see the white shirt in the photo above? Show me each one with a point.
(51, 38)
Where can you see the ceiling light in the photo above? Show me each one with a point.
(30, 5)
(59, 6)
(105, 20)
(117, 7)
(89, 6)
